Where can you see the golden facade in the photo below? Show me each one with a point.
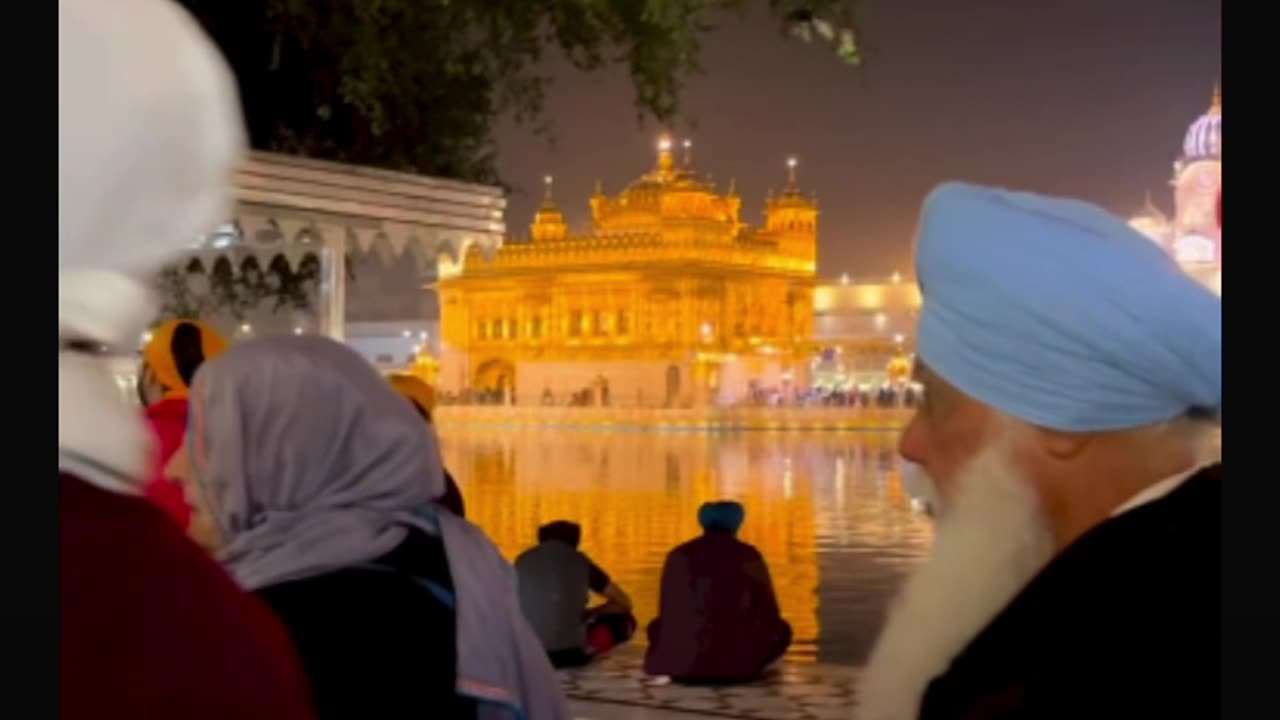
(670, 301)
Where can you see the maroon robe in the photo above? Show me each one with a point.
(718, 615)
(152, 628)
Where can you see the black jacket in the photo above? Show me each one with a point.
(374, 640)
(1124, 623)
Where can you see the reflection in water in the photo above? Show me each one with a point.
(826, 509)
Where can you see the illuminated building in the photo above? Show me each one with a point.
(1193, 236)
(670, 300)
(864, 331)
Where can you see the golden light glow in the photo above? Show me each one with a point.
(666, 255)
(636, 496)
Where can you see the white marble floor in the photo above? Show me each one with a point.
(617, 688)
(607, 711)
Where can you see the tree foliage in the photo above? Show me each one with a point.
(417, 85)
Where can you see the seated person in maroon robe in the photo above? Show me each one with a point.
(555, 582)
(718, 616)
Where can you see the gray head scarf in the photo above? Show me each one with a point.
(310, 462)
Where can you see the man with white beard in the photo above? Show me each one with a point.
(1073, 375)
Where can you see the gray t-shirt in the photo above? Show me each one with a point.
(554, 583)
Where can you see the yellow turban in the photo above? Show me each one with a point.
(414, 388)
(174, 357)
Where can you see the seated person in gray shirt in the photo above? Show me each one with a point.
(555, 582)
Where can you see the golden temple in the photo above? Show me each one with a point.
(670, 301)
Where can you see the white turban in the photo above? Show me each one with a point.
(149, 132)
(1058, 313)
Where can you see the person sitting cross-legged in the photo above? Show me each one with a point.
(555, 580)
(718, 619)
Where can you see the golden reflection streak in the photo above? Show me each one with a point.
(636, 496)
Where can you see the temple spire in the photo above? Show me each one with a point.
(688, 152)
(792, 162)
(548, 221)
(665, 161)
(1215, 105)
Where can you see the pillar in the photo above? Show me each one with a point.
(333, 285)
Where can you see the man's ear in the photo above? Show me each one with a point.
(1063, 445)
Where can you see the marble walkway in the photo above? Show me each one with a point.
(791, 692)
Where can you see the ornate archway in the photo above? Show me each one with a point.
(495, 375)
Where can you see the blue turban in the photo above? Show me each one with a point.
(1058, 313)
(724, 516)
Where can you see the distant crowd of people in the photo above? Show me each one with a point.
(894, 395)
(276, 538)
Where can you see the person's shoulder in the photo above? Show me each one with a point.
(690, 548)
(182, 610)
(748, 549)
(346, 589)
(1186, 518)
(95, 519)
(1143, 567)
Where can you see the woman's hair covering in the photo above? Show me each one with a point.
(149, 133)
(565, 531)
(309, 462)
(415, 389)
(307, 459)
(722, 516)
(178, 348)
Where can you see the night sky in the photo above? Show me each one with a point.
(1088, 98)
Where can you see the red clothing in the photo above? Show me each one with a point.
(168, 419)
(152, 628)
(718, 615)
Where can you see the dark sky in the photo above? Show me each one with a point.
(1088, 98)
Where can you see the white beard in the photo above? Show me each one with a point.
(990, 542)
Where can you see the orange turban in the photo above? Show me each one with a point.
(414, 388)
(177, 349)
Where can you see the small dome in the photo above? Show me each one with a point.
(548, 209)
(1204, 137)
(548, 221)
(791, 196)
